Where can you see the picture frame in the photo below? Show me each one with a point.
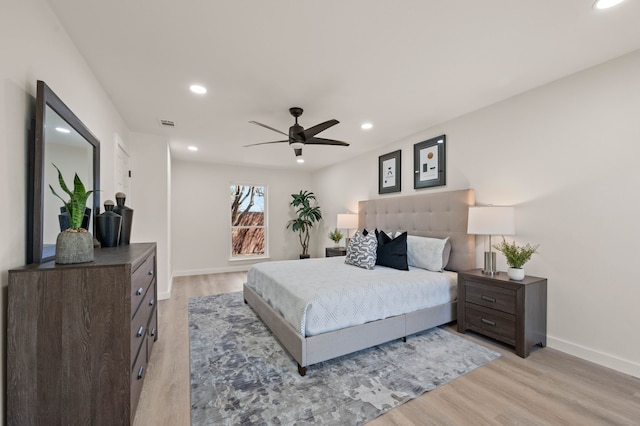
(390, 172)
(429, 163)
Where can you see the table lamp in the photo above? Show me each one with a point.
(491, 220)
(347, 221)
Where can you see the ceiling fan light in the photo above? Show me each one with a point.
(300, 160)
(605, 4)
(296, 145)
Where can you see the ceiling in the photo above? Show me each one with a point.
(404, 65)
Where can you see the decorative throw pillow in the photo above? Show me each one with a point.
(361, 251)
(392, 252)
(428, 253)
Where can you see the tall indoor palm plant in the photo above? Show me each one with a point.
(307, 214)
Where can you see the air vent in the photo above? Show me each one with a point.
(168, 123)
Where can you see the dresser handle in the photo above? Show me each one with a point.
(140, 331)
(153, 332)
(140, 371)
(488, 299)
(151, 302)
(139, 291)
(488, 322)
(150, 272)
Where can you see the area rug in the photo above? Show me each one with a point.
(240, 375)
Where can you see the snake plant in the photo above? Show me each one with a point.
(77, 199)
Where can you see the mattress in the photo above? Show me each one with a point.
(320, 295)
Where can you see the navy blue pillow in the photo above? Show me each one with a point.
(392, 252)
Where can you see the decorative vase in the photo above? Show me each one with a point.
(336, 244)
(516, 274)
(108, 225)
(127, 218)
(74, 246)
(305, 256)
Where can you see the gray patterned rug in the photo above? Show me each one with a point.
(240, 375)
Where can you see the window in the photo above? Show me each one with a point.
(248, 222)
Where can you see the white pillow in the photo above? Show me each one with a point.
(428, 253)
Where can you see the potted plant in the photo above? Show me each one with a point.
(307, 214)
(75, 244)
(516, 257)
(335, 236)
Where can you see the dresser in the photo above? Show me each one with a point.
(79, 338)
(513, 312)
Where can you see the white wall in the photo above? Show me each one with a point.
(35, 47)
(201, 214)
(566, 156)
(150, 199)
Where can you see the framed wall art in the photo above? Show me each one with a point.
(429, 165)
(389, 172)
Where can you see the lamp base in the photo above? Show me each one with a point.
(490, 263)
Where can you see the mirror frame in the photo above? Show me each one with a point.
(36, 185)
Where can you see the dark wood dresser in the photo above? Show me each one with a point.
(79, 338)
(513, 312)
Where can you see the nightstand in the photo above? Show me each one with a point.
(513, 312)
(335, 251)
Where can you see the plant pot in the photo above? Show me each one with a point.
(74, 246)
(516, 274)
(305, 256)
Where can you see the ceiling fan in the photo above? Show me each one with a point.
(298, 137)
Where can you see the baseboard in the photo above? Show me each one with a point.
(166, 295)
(607, 360)
(189, 272)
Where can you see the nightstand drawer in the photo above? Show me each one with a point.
(492, 323)
(490, 296)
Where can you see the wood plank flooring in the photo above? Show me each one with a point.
(547, 388)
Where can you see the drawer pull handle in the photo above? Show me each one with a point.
(488, 299)
(151, 302)
(139, 291)
(153, 332)
(140, 371)
(150, 272)
(140, 331)
(488, 322)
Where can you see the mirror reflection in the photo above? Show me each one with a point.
(67, 149)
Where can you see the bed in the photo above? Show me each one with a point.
(436, 215)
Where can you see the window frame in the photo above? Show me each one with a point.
(249, 257)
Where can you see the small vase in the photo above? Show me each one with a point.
(108, 226)
(74, 246)
(127, 218)
(516, 274)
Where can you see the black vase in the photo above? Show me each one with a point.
(65, 220)
(108, 226)
(127, 217)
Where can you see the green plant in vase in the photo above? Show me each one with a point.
(335, 236)
(516, 256)
(74, 245)
(307, 216)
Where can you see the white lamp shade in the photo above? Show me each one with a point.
(347, 221)
(491, 220)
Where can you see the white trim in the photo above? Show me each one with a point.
(189, 272)
(607, 360)
(166, 295)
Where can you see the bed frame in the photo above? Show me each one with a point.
(439, 215)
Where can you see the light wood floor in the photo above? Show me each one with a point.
(548, 388)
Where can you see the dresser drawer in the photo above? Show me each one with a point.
(498, 325)
(490, 296)
(138, 372)
(152, 332)
(140, 321)
(140, 280)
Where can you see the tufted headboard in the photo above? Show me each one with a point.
(437, 215)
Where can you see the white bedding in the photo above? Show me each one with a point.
(320, 295)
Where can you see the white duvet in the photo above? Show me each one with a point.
(320, 295)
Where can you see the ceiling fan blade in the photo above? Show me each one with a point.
(322, 141)
(265, 143)
(269, 127)
(312, 131)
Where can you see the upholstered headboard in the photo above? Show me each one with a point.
(437, 215)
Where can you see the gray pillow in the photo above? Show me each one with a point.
(428, 253)
(361, 251)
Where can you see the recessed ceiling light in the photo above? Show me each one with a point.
(63, 130)
(366, 126)
(606, 4)
(192, 148)
(196, 88)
